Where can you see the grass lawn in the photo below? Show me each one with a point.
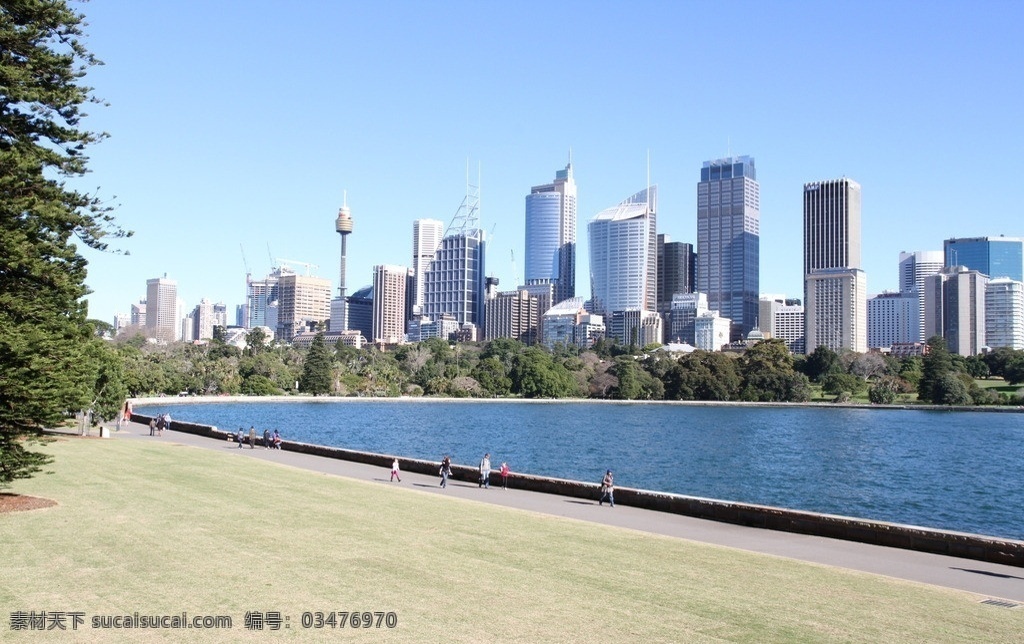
(158, 528)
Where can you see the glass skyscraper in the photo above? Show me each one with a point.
(728, 240)
(624, 255)
(992, 256)
(551, 235)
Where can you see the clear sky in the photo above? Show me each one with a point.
(238, 125)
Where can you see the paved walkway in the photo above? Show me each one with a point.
(988, 579)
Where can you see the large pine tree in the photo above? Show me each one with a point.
(46, 369)
(317, 369)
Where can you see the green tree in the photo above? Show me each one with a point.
(317, 370)
(535, 374)
(45, 366)
(884, 390)
(838, 383)
(936, 363)
(1013, 371)
(768, 375)
(821, 362)
(949, 389)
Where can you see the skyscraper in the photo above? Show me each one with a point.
(304, 302)
(389, 303)
(728, 240)
(455, 282)
(1004, 313)
(676, 267)
(835, 287)
(426, 239)
(162, 320)
(954, 303)
(624, 255)
(551, 234)
(914, 267)
(992, 256)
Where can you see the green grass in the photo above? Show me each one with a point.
(162, 528)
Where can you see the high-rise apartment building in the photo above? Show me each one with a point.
(162, 319)
(893, 319)
(835, 307)
(426, 239)
(914, 268)
(835, 310)
(991, 256)
(551, 234)
(676, 268)
(728, 240)
(512, 314)
(303, 302)
(624, 255)
(203, 320)
(783, 318)
(954, 305)
(1004, 313)
(390, 303)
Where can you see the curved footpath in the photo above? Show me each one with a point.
(991, 580)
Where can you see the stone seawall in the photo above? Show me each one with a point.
(893, 535)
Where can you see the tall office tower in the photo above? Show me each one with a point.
(1004, 313)
(782, 318)
(914, 267)
(426, 239)
(954, 306)
(893, 319)
(203, 320)
(259, 295)
(138, 314)
(835, 313)
(162, 320)
(455, 282)
(676, 267)
(304, 302)
(624, 255)
(635, 327)
(339, 305)
(551, 234)
(390, 313)
(992, 256)
(512, 314)
(360, 312)
(728, 240)
(685, 309)
(832, 247)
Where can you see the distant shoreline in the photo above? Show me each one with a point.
(150, 401)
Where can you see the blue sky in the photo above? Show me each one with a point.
(238, 125)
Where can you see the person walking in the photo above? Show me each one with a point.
(607, 489)
(240, 438)
(152, 426)
(252, 437)
(485, 471)
(266, 439)
(504, 475)
(277, 439)
(446, 470)
(394, 471)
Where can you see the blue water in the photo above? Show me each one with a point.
(960, 471)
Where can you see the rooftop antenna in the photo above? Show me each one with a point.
(467, 216)
(648, 174)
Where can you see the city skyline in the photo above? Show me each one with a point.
(217, 142)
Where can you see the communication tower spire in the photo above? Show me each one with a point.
(343, 226)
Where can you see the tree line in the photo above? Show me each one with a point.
(765, 372)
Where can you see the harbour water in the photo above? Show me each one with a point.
(961, 471)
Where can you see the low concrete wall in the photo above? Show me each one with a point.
(893, 535)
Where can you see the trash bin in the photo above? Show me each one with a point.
(104, 431)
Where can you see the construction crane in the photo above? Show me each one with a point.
(309, 267)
